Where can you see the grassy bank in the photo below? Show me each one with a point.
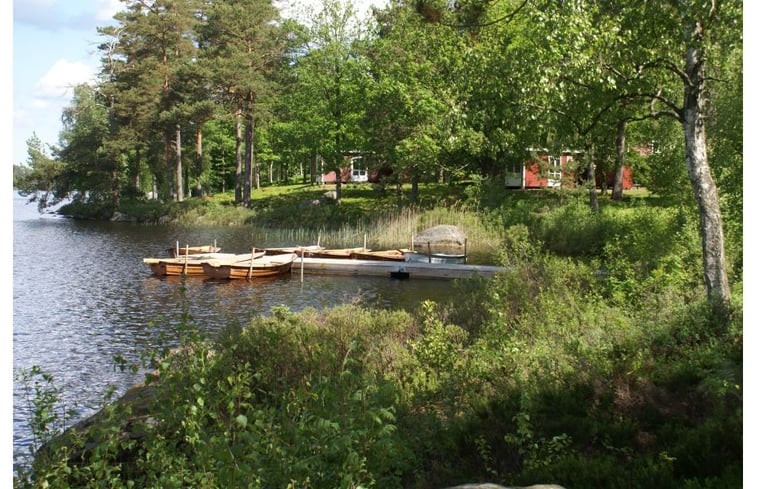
(596, 361)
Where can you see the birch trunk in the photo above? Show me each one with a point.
(705, 190)
(338, 173)
(620, 156)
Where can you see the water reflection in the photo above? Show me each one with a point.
(81, 295)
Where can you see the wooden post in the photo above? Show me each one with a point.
(186, 259)
(252, 257)
(302, 265)
(429, 251)
(465, 251)
(177, 249)
(365, 241)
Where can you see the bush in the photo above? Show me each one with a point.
(595, 360)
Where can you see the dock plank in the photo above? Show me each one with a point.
(336, 266)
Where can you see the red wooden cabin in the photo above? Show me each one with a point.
(552, 171)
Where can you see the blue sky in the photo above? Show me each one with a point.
(54, 49)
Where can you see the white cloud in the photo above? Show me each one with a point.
(60, 80)
(106, 9)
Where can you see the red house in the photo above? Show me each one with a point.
(553, 171)
(350, 173)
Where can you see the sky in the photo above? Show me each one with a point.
(55, 49)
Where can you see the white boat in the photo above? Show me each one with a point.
(447, 258)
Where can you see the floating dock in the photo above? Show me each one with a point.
(391, 269)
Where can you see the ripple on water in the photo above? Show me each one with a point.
(81, 295)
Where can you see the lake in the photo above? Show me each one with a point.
(82, 296)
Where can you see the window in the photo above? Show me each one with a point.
(554, 172)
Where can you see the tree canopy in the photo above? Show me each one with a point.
(431, 90)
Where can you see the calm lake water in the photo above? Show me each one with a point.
(81, 296)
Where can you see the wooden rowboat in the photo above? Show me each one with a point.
(193, 250)
(263, 266)
(298, 250)
(382, 255)
(191, 264)
(333, 253)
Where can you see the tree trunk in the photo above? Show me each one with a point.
(338, 173)
(137, 165)
(247, 162)
(169, 169)
(238, 176)
(179, 171)
(198, 161)
(115, 188)
(253, 160)
(414, 190)
(620, 155)
(705, 190)
(592, 181)
(313, 169)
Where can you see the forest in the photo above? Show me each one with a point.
(196, 97)
(611, 356)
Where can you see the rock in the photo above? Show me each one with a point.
(309, 203)
(121, 217)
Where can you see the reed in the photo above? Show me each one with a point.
(394, 231)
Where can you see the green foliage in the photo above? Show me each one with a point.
(592, 361)
(37, 179)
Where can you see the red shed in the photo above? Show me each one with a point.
(546, 173)
(552, 171)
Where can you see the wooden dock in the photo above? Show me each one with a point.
(391, 269)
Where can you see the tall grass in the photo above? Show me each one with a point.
(387, 230)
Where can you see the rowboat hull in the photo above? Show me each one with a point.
(191, 264)
(387, 255)
(174, 266)
(333, 253)
(298, 250)
(265, 266)
(193, 250)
